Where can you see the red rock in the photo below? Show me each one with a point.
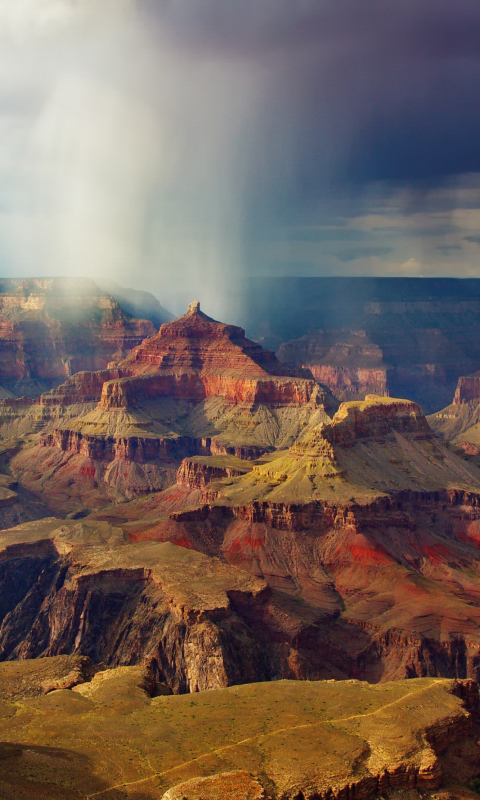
(52, 328)
(388, 357)
(374, 418)
(210, 368)
(468, 389)
(197, 472)
(194, 357)
(196, 343)
(391, 550)
(348, 362)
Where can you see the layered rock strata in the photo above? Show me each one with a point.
(198, 387)
(348, 362)
(53, 328)
(388, 358)
(459, 423)
(423, 333)
(82, 587)
(369, 520)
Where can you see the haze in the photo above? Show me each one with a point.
(179, 146)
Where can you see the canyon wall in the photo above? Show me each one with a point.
(53, 328)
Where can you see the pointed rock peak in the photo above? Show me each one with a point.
(194, 307)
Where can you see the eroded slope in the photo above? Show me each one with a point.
(198, 387)
(369, 520)
(108, 738)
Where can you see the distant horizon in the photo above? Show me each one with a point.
(178, 145)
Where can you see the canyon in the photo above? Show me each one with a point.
(403, 337)
(51, 328)
(348, 362)
(244, 584)
(198, 387)
(459, 422)
(361, 526)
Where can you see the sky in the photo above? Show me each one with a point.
(180, 146)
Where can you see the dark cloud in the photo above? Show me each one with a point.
(442, 229)
(391, 26)
(449, 248)
(356, 92)
(363, 252)
(474, 239)
(214, 137)
(312, 234)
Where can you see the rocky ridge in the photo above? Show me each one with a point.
(348, 362)
(459, 423)
(86, 587)
(70, 731)
(198, 387)
(362, 525)
(420, 363)
(417, 335)
(369, 520)
(51, 328)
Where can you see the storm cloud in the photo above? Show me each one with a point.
(184, 144)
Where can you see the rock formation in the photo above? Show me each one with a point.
(52, 328)
(459, 423)
(198, 387)
(422, 364)
(403, 337)
(72, 731)
(82, 587)
(369, 520)
(136, 302)
(360, 525)
(227, 527)
(348, 362)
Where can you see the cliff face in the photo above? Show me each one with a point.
(375, 418)
(468, 390)
(198, 387)
(364, 535)
(70, 587)
(389, 357)
(348, 362)
(129, 392)
(196, 343)
(192, 358)
(392, 583)
(362, 525)
(53, 328)
(459, 423)
(368, 519)
(423, 333)
(198, 472)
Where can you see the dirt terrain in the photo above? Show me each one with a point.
(69, 732)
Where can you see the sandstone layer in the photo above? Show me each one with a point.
(361, 525)
(112, 734)
(86, 587)
(403, 337)
(198, 387)
(459, 423)
(422, 364)
(369, 522)
(52, 328)
(348, 362)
